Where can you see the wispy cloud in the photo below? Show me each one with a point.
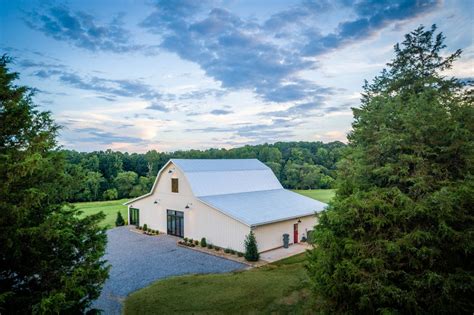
(221, 112)
(104, 137)
(371, 16)
(82, 30)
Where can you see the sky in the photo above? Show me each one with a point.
(174, 75)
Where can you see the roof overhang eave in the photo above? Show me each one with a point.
(284, 219)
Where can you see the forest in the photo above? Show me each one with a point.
(108, 175)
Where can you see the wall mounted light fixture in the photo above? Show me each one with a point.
(188, 206)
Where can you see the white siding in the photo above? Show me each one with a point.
(200, 220)
(270, 236)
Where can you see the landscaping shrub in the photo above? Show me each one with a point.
(185, 239)
(140, 228)
(227, 250)
(251, 250)
(196, 242)
(145, 227)
(217, 248)
(240, 254)
(119, 221)
(203, 242)
(209, 246)
(190, 240)
(232, 251)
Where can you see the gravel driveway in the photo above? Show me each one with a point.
(138, 260)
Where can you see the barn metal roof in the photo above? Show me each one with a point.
(263, 207)
(244, 189)
(217, 177)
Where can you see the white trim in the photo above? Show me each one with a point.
(284, 219)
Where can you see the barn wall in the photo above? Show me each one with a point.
(270, 236)
(200, 220)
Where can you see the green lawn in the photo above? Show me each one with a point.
(109, 208)
(324, 195)
(281, 287)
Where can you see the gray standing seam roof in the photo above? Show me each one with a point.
(245, 189)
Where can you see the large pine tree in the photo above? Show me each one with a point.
(399, 236)
(50, 259)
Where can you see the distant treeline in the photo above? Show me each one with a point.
(107, 175)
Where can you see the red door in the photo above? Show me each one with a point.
(295, 233)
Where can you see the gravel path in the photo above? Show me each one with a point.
(138, 260)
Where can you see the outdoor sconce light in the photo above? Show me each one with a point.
(171, 171)
(188, 206)
(157, 201)
(299, 221)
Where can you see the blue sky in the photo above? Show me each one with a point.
(167, 75)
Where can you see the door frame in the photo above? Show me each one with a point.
(295, 233)
(134, 212)
(178, 220)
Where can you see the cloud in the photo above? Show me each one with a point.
(244, 54)
(158, 107)
(371, 16)
(82, 30)
(104, 137)
(221, 112)
(108, 89)
(232, 51)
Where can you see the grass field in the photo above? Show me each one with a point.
(324, 195)
(281, 287)
(109, 208)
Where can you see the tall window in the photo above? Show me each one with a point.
(174, 185)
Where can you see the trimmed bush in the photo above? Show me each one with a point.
(227, 250)
(240, 254)
(209, 246)
(217, 248)
(145, 227)
(203, 242)
(185, 239)
(232, 251)
(190, 240)
(140, 228)
(251, 250)
(196, 242)
(119, 221)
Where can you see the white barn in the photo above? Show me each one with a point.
(223, 200)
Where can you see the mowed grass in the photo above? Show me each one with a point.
(281, 287)
(323, 195)
(109, 208)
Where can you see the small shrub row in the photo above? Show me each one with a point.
(148, 231)
(189, 242)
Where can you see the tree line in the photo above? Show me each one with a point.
(108, 175)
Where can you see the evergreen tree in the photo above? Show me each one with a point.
(251, 250)
(119, 221)
(398, 238)
(50, 258)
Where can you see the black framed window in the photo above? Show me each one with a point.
(175, 222)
